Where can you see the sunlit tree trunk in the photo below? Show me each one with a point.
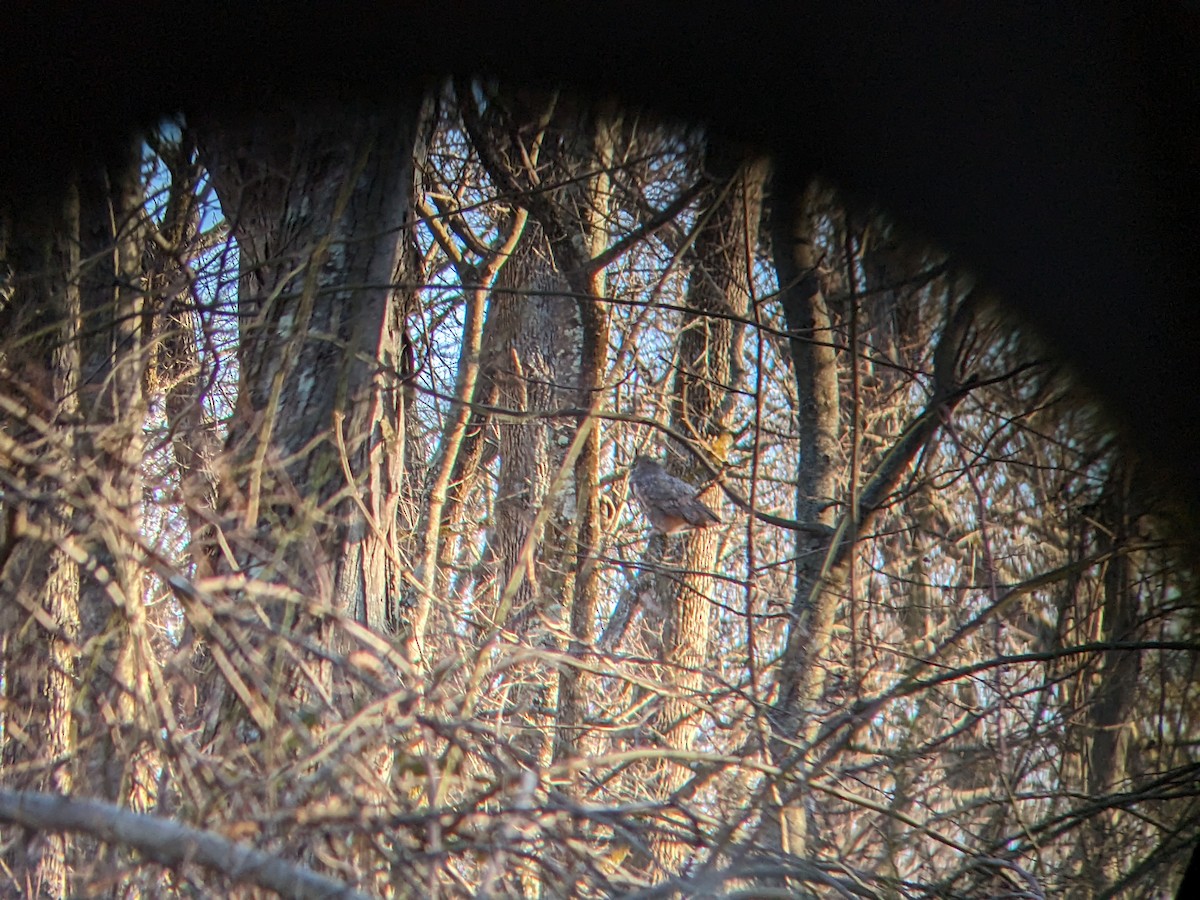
(702, 401)
(111, 393)
(39, 579)
(554, 338)
(530, 368)
(527, 334)
(595, 317)
(569, 194)
(181, 365)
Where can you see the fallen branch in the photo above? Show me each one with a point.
(170, 843)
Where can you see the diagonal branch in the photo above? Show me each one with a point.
(659, 220)
(169, 843)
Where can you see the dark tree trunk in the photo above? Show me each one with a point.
(815, 368)
(318, 204)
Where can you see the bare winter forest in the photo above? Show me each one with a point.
(321, 573)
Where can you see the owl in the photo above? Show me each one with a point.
(668, 502)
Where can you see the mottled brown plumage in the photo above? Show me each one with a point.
(668, 502)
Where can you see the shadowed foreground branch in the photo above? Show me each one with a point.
(169, 843)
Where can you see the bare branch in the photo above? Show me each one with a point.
(170, 843)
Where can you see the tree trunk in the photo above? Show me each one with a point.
(1111, 710)
(318, 204)
(114, 356)
(532, 372)
(590, 289)
(814, 363)
(702, 406)
(39, 581)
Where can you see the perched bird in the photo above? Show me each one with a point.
(668, 502)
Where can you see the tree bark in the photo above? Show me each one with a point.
(39, 582)
(1111, 710)
(702, 406)
(318, 202)
(114, 357)
(815, 369)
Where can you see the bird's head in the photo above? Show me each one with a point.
(641, 461)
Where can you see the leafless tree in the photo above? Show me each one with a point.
(319, 572)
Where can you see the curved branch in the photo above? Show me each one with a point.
(169, 843)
